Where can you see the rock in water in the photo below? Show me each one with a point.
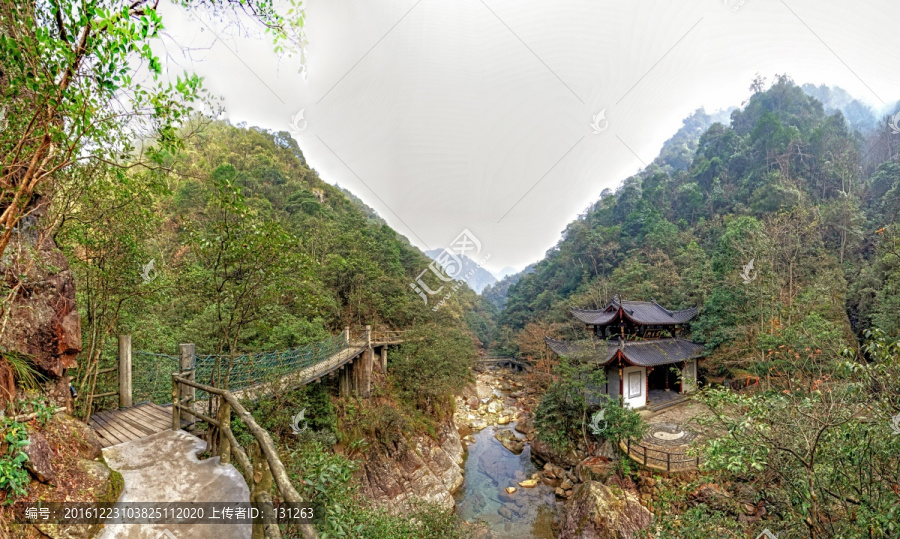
(546, 453)
(40, 458)
(528, 483)
(524, 425)
(597, 512)
(509, 441)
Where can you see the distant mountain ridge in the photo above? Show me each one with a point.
(480, 277)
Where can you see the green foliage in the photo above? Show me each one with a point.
(43, 410)
(13, 477)
(325, 479)
(823, 447)
(431, 366)
(23, 370)
(275, 413)
(562, 413)
(616, 422)
(820, 231)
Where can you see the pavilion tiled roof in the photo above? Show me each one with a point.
(639, 312)
(649, 353)
(598, 350)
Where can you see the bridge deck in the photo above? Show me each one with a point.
(115, 427)
(305, 376)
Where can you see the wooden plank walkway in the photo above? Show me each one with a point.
(115, 427)
(303, 376)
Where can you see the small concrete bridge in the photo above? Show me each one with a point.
(509, 362)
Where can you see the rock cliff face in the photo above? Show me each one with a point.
(419, 468)
(42, 323)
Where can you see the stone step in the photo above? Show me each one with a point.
(666, 404)
(164, 467)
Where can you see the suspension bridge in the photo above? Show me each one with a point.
(146, 378)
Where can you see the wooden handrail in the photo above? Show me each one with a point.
(274, 468)
(633, 452)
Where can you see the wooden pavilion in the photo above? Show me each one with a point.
(638, 345)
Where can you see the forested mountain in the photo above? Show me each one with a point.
(251, 250)
(785, 184)
(858, 115)
(478, 276)
(496, 293)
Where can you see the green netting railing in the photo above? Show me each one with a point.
(152, 376)
(152, 373)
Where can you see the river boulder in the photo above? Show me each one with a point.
(543, 451)
(509, 441)
(418, 468)
(600, 512)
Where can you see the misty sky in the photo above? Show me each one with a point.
(452, 114)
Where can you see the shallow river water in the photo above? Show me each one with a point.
(490, 468)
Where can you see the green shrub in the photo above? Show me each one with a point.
(326, 480)
(431, 366)
(565, 407)
(276, 412)
(616, 422)
(13, 476)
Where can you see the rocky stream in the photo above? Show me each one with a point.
(515, 485)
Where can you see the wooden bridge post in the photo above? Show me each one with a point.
(365, 383)
(344, 381)
(176, 412)
(224, 418)
(259, 491)
(187, 394)
(125, 390)
(355, 375)
(384, 359)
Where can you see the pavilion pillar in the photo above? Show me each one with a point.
(621, 383)
(647, 383)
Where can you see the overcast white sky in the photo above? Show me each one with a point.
(452, 114)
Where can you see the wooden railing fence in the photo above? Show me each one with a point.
(261, 467)
(653, 458)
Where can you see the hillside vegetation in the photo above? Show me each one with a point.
(252, 252)
(781, 225)
(813, 204)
